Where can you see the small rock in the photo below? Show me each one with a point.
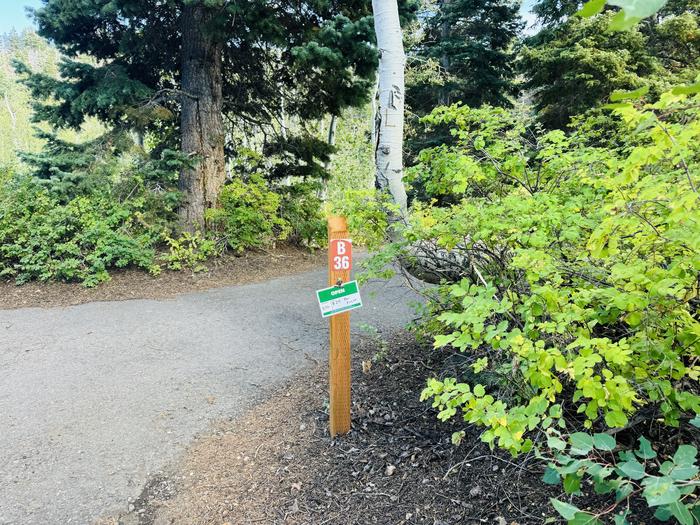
(500, 520)
(390, 469)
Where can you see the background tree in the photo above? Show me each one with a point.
(217, 66)
(554, 12)
(16, 133)
(576, 66)
(573, 64)
(391, 100)
(473, 42)
(465, 53)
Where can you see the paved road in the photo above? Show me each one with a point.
(97, 397)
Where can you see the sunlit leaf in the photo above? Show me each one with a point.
(591, 8)
(617, 96)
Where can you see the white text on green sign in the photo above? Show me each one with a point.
(338, 299)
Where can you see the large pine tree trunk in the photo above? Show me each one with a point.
(202, 129)
(390, 111)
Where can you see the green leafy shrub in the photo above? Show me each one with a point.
(366, 213)
(580, 271)
(248, 216)
(301, 209)
(666, 486)
(573, 281)
(189, 251)
(43, 238)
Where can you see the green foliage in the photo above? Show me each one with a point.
(292, 208)
(576, 66)
(579, 270)
(631, 11)
(302, 156)
(80, 240)
(352, 165)
(366, 213)
(189, 251)
(109, 163)
(17, 132)
(668, 486)
(551, 13)
(106, 207)
(466, 53)
(301, 210)
(574, 63)
(472, 40)
(248, 215)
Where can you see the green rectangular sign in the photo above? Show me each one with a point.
(338, 299)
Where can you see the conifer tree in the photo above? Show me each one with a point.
(574, 64)
(473, 42)
(466, 55)
(189, 67)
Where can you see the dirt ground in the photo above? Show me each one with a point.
(278, 465)
(137, 284)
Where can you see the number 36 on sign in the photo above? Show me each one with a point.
(341, 254)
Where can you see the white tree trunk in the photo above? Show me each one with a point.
(9, 110)
(390, 113)
(373, 122)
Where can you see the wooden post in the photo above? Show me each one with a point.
(339, 357)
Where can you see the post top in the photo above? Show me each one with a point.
(337, 224)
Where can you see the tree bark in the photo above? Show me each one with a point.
(202, 128)
(390, 114)
(13, 117)
(445, 28)
(331, 130)
(323, 193)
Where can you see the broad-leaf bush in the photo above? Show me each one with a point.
(43, 238)
(301, 208)
(666, 485)
(189, 251)
(111, 211)
(248, 215)
(366, 213)
(580, 271)
(574, 279)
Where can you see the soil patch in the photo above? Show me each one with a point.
(137, 284)
(278, 464)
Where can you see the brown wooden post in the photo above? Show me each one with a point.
(339, 357)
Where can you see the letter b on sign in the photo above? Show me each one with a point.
(341, 254)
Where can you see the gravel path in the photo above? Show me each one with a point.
(97, 398)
